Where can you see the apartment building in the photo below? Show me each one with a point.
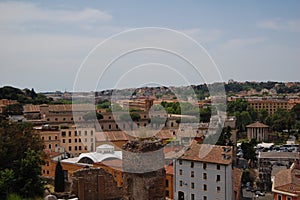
(77, 140)
(204, 172)
(270, 105)
(55, 114)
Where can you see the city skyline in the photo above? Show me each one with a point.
(44, 43)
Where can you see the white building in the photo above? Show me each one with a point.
(204, 172)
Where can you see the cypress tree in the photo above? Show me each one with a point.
(59, 182)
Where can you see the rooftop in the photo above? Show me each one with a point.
(257, 125)
(208, 153)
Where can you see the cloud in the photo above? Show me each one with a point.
(203, 35)
(281, 25)
(16, 14)
(242, 42)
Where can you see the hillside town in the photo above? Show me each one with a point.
(147, 147)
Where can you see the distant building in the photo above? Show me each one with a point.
(203, 177)
(4, 103)
(270, 105)
(257, 131)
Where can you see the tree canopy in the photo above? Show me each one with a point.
(20, 160)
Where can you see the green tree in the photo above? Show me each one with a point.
(263, 114)
(243, 119)
(225, 137)
(248, 151)
(20, 157)
(6, 181)
(59, 180)
(29, 177)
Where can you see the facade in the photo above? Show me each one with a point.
(257, 131)
(169, 182)
(203, 177)
(270, 105)
(55, 114)
(286, 183)
(266, 160)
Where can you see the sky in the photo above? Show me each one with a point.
(81, 45)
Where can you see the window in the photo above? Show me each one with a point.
(92, 132)
(49, 138)
(66, 174)
(79, 133)
(204, 166)
(85, 139)
(180, 172)
(167, 183)
(109, 126)
(49, 146)
(56, 137)
(192, 164)
(218, 178)
(75, 140)
(75, 148)
(192, 185)
(204, 176)
(64, 119)
(279, 197)
(192, 174)
(204, 187)
(192, 196)
(218, 167)
(70, 140)
(63, 133)
(167, 193)
(92, 140)
(218, 189)
(70, 148)
(64, 141)
(289, 198)
(79, 148)
(85, 133)
(180, 183)
(180, 162)
(79, 140)
(70, 133)
(204, 197)
(75, 133)
(43, 138)
(56, 119)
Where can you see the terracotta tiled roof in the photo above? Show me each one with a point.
(31, 108)
(60, 108)
(208, 153)
(121, 135)
(288, 180)
(257, 125)
(237, 178)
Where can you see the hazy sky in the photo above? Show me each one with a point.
(43, 43)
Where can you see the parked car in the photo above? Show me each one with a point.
(260, 193)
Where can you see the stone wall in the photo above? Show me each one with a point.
(95, 184)
(143, 162)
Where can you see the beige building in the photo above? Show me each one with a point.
(270, 105)
(258, 131)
